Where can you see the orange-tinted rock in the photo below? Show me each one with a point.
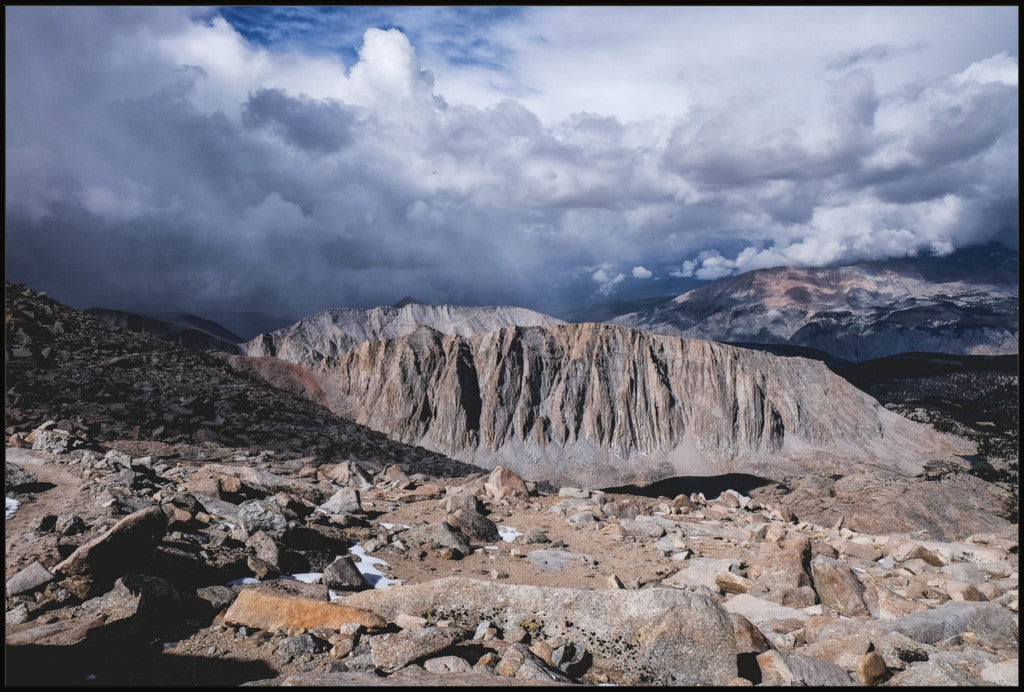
(269, 609)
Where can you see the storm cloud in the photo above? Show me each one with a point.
(162, 158)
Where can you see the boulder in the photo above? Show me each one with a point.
(871, 669)
(780, 574)
(438, 536)
(15, 477)
(845, 651)
(811, 672)
(911, 550)
(749, 639)
(959, 591)
(700, 571)
(271, 609)
(343, 575)
(519, 662)
(218, 597)
(474, 525)
(937, 671)
(535, 536)
(988, 621)
(69, 525)
(503, 483)
(1006, 673)
(300, 645)
(150, 602)
(56, 441)
(345, 473)
(265, 548)
(653, 636)
(262, 515)
(447, 664)
(29, 579)
(460, 498)
(884, 604)
(392, 651)
(345, 501)
(775, 670)
(838, 587)
(96, 564)
(557, 560)
(762, 612)
(728, 582)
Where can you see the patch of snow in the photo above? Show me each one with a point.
(367, 566)
(391, 526)
(10, 507)
(308, 577)
(243, 580)
(490, 547)
(509, 533)
(335, 595)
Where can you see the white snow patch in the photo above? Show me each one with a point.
(10, 507)
(391, 526)
(490, 547)
(509, 533)
(308, 577)
(243, 580)
(367, 566)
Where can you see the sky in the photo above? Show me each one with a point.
(289, 160)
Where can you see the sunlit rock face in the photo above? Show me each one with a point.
(599, 404)
(857, 312)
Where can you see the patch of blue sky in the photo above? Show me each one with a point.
(458, 34)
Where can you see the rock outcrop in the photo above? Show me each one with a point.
(672, 637)
(600, 404)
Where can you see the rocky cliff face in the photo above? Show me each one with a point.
(333, 332)
(602, 404)
(858, 312)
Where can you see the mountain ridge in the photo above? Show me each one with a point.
(855, 312)
(603, 404)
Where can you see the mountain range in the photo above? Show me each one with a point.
(631, 401)
(967, 304)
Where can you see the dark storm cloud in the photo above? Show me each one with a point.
(317, 126)
(158, 159)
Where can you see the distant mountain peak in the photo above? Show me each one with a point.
(962, 303)
(408, 300)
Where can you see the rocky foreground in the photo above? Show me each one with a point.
(220, 571)
(171, 521)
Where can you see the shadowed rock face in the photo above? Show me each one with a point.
(179, 328)
(603, 404)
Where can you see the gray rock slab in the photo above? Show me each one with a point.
(29, 579)
(653, 636)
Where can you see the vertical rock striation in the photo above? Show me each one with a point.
(604, 404)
